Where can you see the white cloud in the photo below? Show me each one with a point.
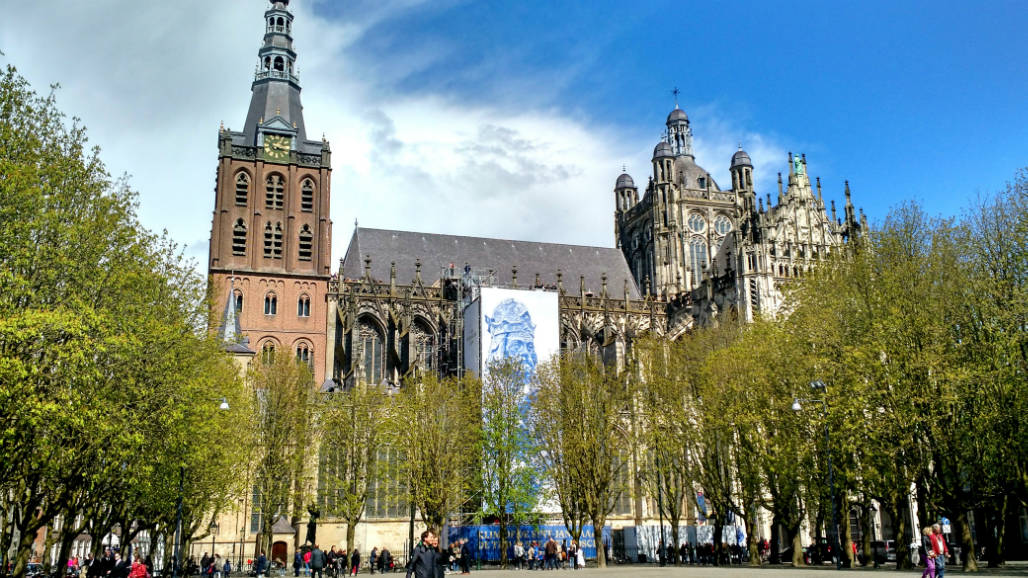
(152, 81)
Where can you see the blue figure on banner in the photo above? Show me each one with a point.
(512, 335)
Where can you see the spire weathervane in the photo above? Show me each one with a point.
(676, 92)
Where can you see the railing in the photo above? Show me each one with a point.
(278, 74)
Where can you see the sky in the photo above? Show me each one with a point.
(513, 119)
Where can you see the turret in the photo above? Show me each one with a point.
(663, 162)
(679, 135)
(742, 179)
(626, 195)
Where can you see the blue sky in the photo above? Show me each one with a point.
(512, 119)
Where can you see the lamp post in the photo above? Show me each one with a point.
(177, 561)
(796, 407)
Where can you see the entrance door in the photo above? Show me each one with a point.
(278, 552)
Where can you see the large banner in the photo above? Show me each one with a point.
(484, 541)
(511, 323)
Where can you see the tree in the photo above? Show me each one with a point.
(352, 426)
(435, 424)
(510, 456)
(579, 418)
(103, 347)
(284, 405)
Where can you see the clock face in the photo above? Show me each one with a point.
(276, 148)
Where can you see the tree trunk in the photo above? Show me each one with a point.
(775, 556)
(503, 541)
(601, 550)
(901, 530)
(996, 523)
(351, 534)
(846, 540)
(865, 541)
(718, 537)
(751, 539)
(966, 542)
(797, 547)
(675, 522)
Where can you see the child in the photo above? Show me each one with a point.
(929, 560)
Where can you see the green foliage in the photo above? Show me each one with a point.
(509, 454)
(435, 424)
(104, 361)
(579, 417)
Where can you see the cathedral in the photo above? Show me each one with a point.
(686, 253)
(690, 243)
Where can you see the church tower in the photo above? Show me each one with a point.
(271, 235)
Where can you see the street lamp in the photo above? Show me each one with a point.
(797, 407)
(175, 565)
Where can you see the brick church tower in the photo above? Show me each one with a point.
(271, 235)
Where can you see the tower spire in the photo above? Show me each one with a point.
(275, 103)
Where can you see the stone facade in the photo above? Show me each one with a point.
(708, 251)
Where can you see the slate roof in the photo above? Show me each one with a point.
(439, 251)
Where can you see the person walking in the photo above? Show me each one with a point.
(297, 563)
(355, 562)
(940, 550)
(929, 554)
(373, 559)
(317, 562)
(425, 558)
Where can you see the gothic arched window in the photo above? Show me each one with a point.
(242, 189)
(697, 223)
(280, 64)
(238, 295)
(423, 347)
(373, 352)
(307, 195)
(268, 351)
(274, 192)
(697, 256)
(304, 353)
(303, 306)
(270, 304)
(722, 225)
(239, 238)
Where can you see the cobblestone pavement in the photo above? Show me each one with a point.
(649, 571)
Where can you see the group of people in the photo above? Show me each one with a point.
(112, 565)
(460, 556)
(936, 551)
(549, 556)
(315, 562)
(214, 566)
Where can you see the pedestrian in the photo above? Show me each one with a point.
(465, 557)
(226, 569)
(519, 555)
(940, 550)
(355, 562)
(216, 565)
(138, 569)
(929, 555)
(373, 559)
(317, 561)
(425, 558)
(261, 566)
(579, 556)
(307, 563)
(297, 563)
(385, 561)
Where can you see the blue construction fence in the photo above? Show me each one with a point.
(484, 540)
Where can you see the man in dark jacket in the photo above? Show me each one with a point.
(465, 557)
(424, 561)
(260, 567)
(317, 562)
